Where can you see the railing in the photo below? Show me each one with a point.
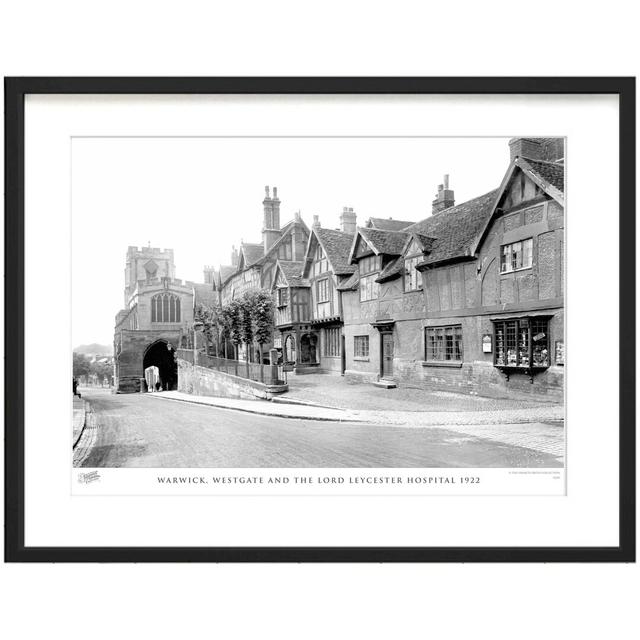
(265, 373)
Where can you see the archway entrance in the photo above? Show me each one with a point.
(162, 355)
(308, 352)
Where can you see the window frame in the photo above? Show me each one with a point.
(416, 259)
(433, 350)
(524, 348)
(509, 261)
(325, 287)
(364, 342)
(166, 303)
(331, 347)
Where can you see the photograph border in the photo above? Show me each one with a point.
(15, 91)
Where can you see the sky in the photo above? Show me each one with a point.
(200, 196)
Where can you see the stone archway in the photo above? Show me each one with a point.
(161, 354)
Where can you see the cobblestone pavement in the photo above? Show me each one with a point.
(544, 413)
(142, 430)
(334, 391)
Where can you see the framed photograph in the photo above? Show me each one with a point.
(319, 319)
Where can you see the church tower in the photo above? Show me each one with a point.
(147, 264)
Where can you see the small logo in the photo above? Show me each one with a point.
(87, 478)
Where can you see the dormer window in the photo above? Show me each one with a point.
(412, 277)
(368, 268)
(283, 297)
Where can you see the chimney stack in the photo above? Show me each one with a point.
(547, 149)
(271, 222)
(234, 256)
(348, 220)
(444, 197)
(316, 222)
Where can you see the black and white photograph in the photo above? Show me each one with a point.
(318, 302)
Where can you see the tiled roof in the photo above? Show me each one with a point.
(385, 242)
(453, 230)
(392, 270)
(226, 271)
(350, 284)
(550, 172)
(252, 252)
(292, 272)
(336, 245)
(388, 224)
(204, 294)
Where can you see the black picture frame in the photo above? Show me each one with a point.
(15, 91)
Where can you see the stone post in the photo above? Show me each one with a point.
(273, 362)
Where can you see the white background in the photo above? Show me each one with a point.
(54, 517)
(315, 601)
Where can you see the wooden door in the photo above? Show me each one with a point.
(387, 355)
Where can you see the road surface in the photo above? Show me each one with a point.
(135, 430)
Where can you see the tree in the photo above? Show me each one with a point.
(80, 365)
(212, 323)
(231, 318)
(246, 324)
(262, 308)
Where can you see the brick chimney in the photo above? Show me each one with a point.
(235, 256)
(271, 222)
(348, 220)
(547, 149)
(444, 197)
(316, 222)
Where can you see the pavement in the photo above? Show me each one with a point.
(545, 412)
(335, 391)
(78, 418)
(165, 430)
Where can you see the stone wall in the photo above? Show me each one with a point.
(201, 381)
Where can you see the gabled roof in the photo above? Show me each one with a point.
(251, 252)
(392, 270)
(291, 272)
(548, 174)
(225, 271)
(451, 233)
(387, 224)
(204, 294)
(336, 246)
(381, 242)
(350, 283)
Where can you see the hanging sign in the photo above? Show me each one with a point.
(486, 343)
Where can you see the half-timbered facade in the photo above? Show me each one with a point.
(471, 298)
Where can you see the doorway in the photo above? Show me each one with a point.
(161, 354)
(387, 356)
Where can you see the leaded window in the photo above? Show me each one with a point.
(323, 290)
(412, 277)
(517, 255)
(283, 297)
(165, 307)
(332, 342)
(361, 346)
(443, 344)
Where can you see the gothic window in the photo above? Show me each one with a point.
(165, 307)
